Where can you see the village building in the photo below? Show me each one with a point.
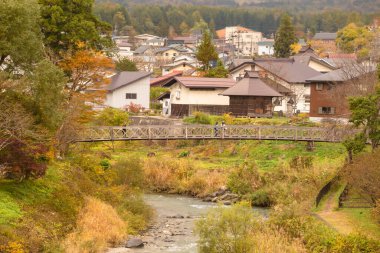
(329, 91)
(160, 81)
(265, 47)
(129, 87)
(182, 66)
(143, 38)
(191, 94)
(251, 97)
(245, 40)
(160, 42)
(324, 42)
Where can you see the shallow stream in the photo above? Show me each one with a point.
(172, 230)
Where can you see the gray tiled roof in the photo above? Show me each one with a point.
(289, 70)
(251, 87)
(125, 78)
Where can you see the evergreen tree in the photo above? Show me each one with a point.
(206, 51)
(285, 37)
(66, 24)
(124, 64)
(218, 72)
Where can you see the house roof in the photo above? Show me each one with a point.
(253, 87)
(161, 79)
(305, 59)
(202, 82)
(125, 78)
(175, 64)
(325, 36)
(142, 49)
(237, 63)
(288, 70)
(343, 74)
(164, 49)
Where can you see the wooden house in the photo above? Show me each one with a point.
(251, 97)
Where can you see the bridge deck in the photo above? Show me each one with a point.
(191, 132)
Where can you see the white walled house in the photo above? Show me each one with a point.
(265, 47)
(190, 94)
(245, 40)
(129, 87)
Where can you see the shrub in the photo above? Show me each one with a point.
(134, 108)
(227, 230)
(204, 182)
(98, 227)
(105, 163)
(244, 179)
(23, 160)
(200, 118)
(260, 198)
(112, 117)
(128, 171)
(184, 154)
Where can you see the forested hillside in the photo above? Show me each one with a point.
(157, 19)
(293, 5)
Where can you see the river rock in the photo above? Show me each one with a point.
(229, 196)
(135, 243)
(215, 199)
(207, 199)
(227, 203)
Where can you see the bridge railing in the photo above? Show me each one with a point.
(162, 132)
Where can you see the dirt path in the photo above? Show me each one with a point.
(335, 219)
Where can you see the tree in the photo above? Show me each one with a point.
(184, 27)
(46, 95)
(87, 71)
(285, 37)
(20, 39)
(65, 24)
(355, 145)
(125, 64)
(355, 39)
(365, 112)
(206, 51)
(219, 71)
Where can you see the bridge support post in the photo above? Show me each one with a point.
(310, 146)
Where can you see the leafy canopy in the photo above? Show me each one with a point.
(66, 24)
(354, 39)
(20, 36)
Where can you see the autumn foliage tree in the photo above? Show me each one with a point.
(87, 71)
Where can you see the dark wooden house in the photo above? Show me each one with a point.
(251, 97)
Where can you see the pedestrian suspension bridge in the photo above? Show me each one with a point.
(206, 132)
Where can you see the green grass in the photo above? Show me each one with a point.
(266, 155)
(363, 221)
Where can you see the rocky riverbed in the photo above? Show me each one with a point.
(173, 228)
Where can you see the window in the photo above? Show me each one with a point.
(319, 86)
(306, 85)
(131, 96)
(326, 110)
(307, 98)
(166, 54)
(178, 94)
(174, 54)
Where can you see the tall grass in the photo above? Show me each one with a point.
(98, 227)
(180, 176)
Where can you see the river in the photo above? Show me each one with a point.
(172, 230)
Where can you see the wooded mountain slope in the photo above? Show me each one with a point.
(360, 5)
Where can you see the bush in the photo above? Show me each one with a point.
(227, 230)
(128, 171)
(260, 198)
(244, 179)
(98, 227)
(112, 117)
(199, 118)
(184, 154)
